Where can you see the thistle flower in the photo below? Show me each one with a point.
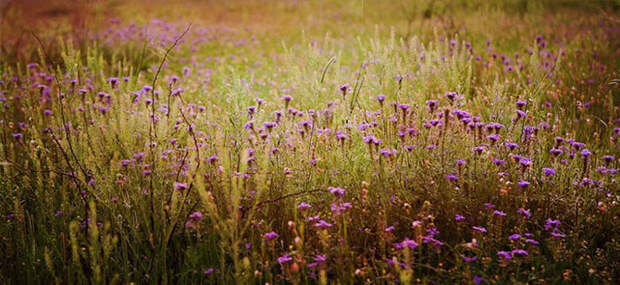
(514, 237)
(506, 255)
(411, 244)
(524, 212)
(284, 259)
(344, 88)
(303, 206)
(585, 153)
(478, 280)
(470, 259)
(608, 159)
(381, 98)
(549, 223)
(479, 229)
(322, 224)
(318, 260)
(548, 171)
(271, 235)
(556, 151)
(196, 216)
(432, 104)
(180, 186)
(523, 184)
(339, 192)
(113, 81)
(511, 145)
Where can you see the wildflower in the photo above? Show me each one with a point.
(586, 153)
(318, 260)
(338, 208)
(408, 243)
(381, 98)
(478, 280)
(548, 171)
(180, 186)
(451, 95)
(525, 162)
(322, 224)
(518, 251)
(608, 159)
(212, 158)
(525, 212)
(478, 149)
(532, 241)
(284, 259)
(549, 223)
(271, 235)
(113, 81)
(17, 135)
(499, 213)
(514, 237)
(523, 184)
(209, 271)
(451, 177)
(336, 191)
(470, 259)
(556, 234)
(520, 104)
(432, 104)
(303, 206)
(479, 229)
(493, 138)
(555, 151)
(196, 216)
(504, 254)
(511, 145)
(459, 218)
(416, 223)
(343, 88)
(389, 229)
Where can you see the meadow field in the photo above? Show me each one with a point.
(310, 142)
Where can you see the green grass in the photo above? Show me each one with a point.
(74, 214)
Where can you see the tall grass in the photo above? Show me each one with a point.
(380, 157)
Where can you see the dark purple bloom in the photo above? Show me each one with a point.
(548, 171)
(586, 153)
(519, 251)
(271, 235)
(470, 259)
(523, 184)
(504, 254)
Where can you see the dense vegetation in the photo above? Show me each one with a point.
(310, 142)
